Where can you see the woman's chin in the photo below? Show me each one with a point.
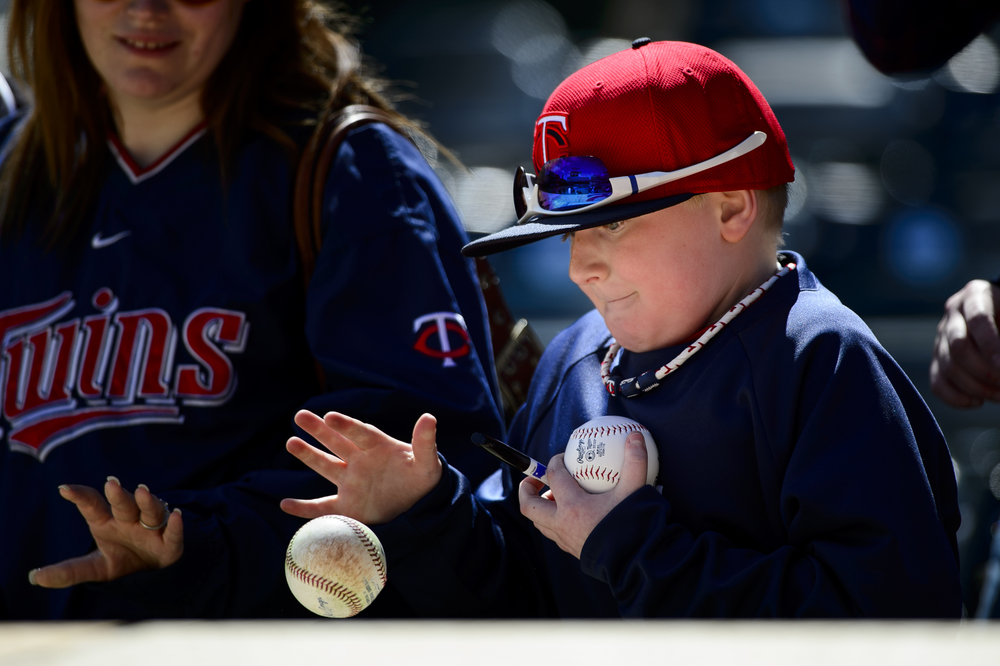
(144, 86)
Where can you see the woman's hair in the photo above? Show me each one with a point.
(289, 58)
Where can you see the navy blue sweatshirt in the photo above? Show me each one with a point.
(802, 476)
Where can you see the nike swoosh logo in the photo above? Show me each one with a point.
(98, 243)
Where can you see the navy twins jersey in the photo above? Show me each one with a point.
(173, 342)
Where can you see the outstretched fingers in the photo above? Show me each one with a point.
(330, 438)
(153, 511)
(87, 568)
(329, 466)
(377, 476)
(91, 505)
(359, 434)
(425, 440)
(92, 567)
(173, 536)
(121, 501)
(310, 509)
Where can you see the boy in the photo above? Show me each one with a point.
(801, 475)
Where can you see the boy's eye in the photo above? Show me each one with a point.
(615, 226)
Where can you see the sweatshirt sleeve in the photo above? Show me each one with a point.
(464, 554)
(394, 313)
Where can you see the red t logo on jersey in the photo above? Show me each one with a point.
(442, 323)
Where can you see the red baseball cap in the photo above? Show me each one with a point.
(659, 106)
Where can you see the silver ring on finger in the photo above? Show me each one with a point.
(163, 523)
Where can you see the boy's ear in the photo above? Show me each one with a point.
(737, 213)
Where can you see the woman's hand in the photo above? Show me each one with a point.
(377, 477)
(132, 532)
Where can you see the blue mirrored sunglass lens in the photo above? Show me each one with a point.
(566, 183)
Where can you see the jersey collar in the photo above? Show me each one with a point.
(136, 173)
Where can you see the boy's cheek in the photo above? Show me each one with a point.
(589, 293)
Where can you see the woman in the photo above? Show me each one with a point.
(153, 322)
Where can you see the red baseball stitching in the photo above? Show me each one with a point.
(597, 474)
(373, 550)
(620, 429)
(336, 590)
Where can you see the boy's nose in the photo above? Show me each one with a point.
(586, 265)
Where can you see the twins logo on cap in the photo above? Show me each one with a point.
(551, 137)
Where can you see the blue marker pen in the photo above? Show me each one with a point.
(513, 457)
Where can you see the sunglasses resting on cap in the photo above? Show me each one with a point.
(574, 184)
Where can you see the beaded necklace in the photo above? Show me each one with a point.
(649, 380)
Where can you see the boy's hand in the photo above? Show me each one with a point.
(567, 513)
(965, 368)
(377, 477)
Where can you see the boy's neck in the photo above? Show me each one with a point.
(748, 275)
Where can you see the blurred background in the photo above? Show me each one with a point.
(896, 202)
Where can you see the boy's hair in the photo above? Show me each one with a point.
(771, 204)
(659, 106)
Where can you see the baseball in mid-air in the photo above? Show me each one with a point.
(595, 453)
(335, 566)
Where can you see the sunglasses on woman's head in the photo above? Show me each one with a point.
(569, 185)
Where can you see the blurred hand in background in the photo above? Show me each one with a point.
(965, 369)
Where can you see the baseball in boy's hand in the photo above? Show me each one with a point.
(595, 453)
